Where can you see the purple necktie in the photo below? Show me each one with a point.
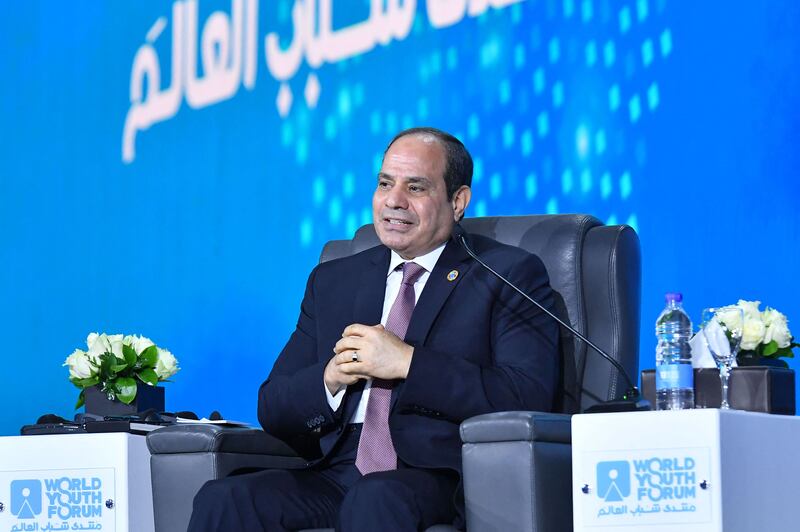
(375, 449)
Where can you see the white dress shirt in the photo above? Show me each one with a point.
(394, 278)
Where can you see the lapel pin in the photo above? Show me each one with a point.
(452, 275)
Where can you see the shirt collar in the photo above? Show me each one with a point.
(427, 261)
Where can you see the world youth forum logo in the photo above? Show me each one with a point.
(613, 480)
(26, 498)
(654, 479)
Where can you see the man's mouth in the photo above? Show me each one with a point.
(396, 221)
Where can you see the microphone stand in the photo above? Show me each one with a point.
(631, 399)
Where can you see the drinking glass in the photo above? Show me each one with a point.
(722, 334)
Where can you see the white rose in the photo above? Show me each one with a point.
(750, 309)
(91, 338)
(731, 317)
(166, 365)
(777, 328)
(80, 365)
(752, 333)
(140, 343)
(97, 344)
(115, 344)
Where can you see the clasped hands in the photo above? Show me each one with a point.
(380, 355)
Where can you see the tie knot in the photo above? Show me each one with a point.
(411, 272)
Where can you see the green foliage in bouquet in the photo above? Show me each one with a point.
(765, 334)
(115, 363)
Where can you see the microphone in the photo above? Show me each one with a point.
(630, 401)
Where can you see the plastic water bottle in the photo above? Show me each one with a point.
(674, 376)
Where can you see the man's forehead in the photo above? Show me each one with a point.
(427, 138)
(415, 149)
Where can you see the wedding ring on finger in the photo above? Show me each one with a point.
(354, 356)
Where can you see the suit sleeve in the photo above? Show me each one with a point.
(292, 401)
(522, 369)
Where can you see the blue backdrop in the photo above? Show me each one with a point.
(173, 169)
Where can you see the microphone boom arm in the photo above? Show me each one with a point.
(631, 393)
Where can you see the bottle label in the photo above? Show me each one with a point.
(671, 376)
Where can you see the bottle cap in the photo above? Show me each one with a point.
(677, 297)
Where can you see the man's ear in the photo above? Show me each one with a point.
(460, 201)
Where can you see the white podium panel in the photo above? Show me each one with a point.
(692, 470)
(75, 482)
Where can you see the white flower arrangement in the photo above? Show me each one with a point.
(115, 362)
(764, 334)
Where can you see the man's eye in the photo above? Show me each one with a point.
(383, 184)
(416, 188)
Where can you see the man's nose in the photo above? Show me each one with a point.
(396, 198)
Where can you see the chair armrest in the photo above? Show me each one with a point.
(184, 457)
(517, 426)
(518, 472)
(194, 438)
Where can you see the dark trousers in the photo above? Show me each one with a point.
(334, 494)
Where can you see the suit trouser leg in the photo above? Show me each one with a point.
(279, 499)
(335, 494)
(272, 500)
(401, 500)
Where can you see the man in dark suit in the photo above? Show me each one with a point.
(393, 349)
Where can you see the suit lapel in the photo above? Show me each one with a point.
(369, 296)
(367, 309)
(437, 290)
(433, 297)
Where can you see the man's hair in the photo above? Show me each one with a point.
(458, 161)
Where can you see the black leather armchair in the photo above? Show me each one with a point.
(517, 465)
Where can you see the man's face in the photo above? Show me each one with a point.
(410, 208)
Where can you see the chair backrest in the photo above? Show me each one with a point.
(595, 271)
